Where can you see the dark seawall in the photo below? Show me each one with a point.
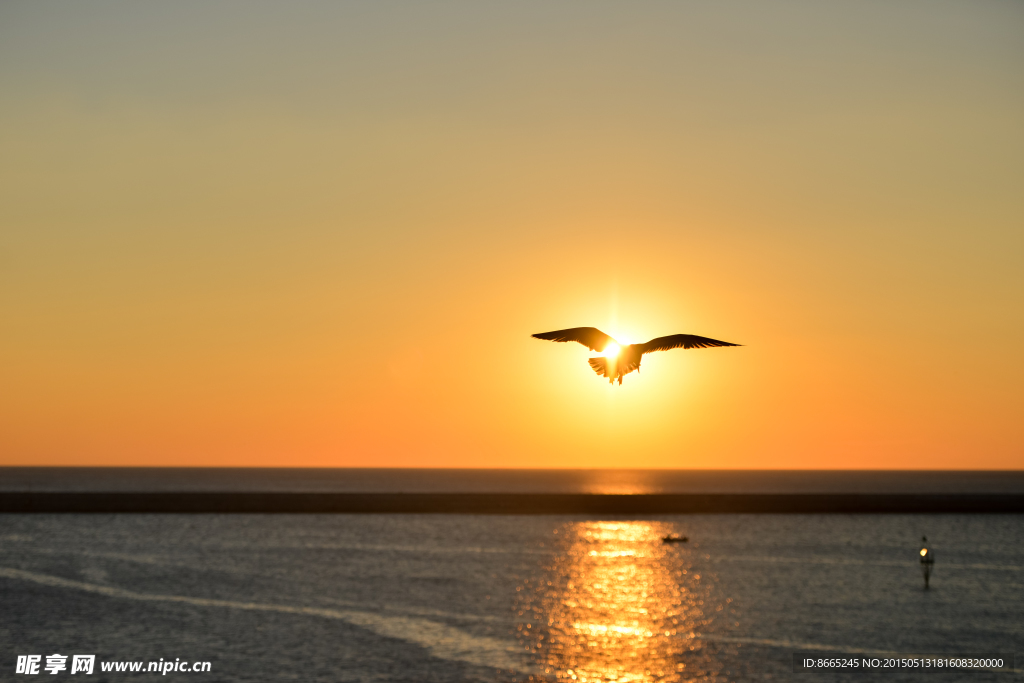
(504, 503)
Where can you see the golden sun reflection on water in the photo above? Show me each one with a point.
(617, 605)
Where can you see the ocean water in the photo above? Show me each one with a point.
(506, 598)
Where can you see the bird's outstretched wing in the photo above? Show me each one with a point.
(681, 341)
(591, 337)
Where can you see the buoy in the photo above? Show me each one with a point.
(927, 560)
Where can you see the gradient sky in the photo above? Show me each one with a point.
(320, 233)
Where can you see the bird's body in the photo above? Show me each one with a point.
(616, 366)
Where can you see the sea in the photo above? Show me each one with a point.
(447, 597)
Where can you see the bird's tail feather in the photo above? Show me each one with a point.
(614, 368)
(606, 369)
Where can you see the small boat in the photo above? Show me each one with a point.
(674, 538)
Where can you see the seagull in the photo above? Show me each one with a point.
(620, 360)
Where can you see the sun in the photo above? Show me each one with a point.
(611, 351)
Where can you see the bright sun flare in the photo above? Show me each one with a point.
(611, 351)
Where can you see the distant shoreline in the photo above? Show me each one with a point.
(503, 503)
(222, 480)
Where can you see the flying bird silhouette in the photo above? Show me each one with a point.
(616, 366)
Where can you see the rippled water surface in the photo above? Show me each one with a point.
(481, 598)
(617, 604)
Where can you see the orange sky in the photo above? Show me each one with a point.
(310, 234)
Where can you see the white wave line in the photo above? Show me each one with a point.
(440, 640)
